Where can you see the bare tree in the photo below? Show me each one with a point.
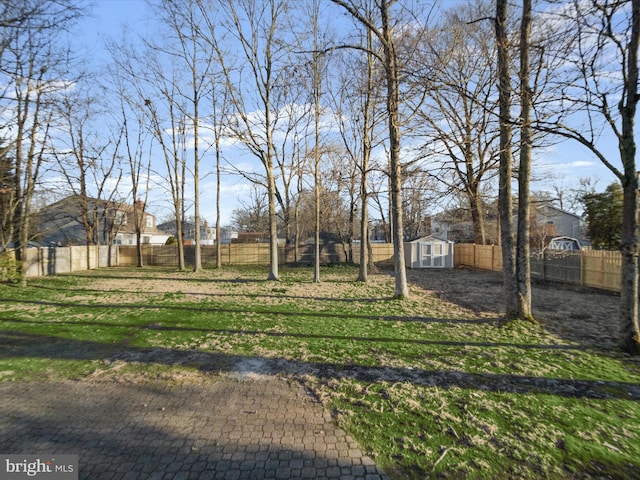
(505, 201)
(170, 141)
(186, 24)
(149, 83)
(220, 104)
(388, 37)
(139, 162)
(316, 67)
(339, 181)
(253, 214)
(88, 163)
(459, 117)
(523, 262)
(33, 64)
(597, 90)
(516, 256)
(293, 117)
(255, 26)
(421, 194)
(356, 102)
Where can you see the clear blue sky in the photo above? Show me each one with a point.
(562, 165)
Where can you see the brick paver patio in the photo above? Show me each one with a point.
(221, 427)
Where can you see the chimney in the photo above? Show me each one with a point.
(139, 205)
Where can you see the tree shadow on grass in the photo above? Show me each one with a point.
(18, 344)
(266, 311)
(156, 326)
(149, 276)
(281, 295)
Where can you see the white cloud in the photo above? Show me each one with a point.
(581, 164)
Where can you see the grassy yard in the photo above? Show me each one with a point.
(433, 386)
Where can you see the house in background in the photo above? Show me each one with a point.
(561, 222)
(61, 223)
(207, 233)
(455, 230)
(456, 225)
(547, 222)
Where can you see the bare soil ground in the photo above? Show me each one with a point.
(578, 315)
(583, 316)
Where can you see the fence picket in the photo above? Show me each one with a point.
(588, 268)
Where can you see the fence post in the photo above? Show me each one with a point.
(475, 258)
(493, 258)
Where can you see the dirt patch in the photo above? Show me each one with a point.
(575, 315)
(582, 316)
(133, 288)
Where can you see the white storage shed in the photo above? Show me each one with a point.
(429, 252)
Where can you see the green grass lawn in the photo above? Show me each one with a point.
(429, 388)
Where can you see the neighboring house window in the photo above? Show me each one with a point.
(146, 239)
(118, 240)
(120, 218)
(149, 221)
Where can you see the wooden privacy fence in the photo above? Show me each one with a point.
(602, 269)
(248, 254)
(42, 261)
(587, 268)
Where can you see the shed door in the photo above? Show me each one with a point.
(431, 255)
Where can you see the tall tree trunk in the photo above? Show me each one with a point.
(32, 167)
(181, 214)
(364, 223)
(523, 263)
(629, 240)
(367, 132)
(316, 223)
(477, 214)
(218, 228)
(22, 109)
(197, 264)
(140, 263)
(629, 284)
(138, 214)
(273, 224)
(504, 185)
(296, 216)
(180, 239)
(393, 105)
(316, 154)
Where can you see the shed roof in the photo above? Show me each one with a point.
(564, 243)
(430, 239)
